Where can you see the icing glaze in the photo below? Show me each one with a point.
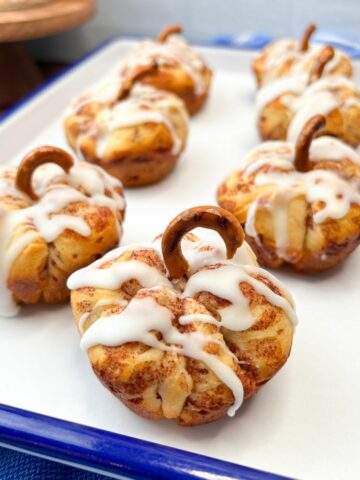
(310, 104)
(293, 86)
(303, 102)
(175, 51)
(140, 318)
(287, 51)
(335, 193)
(105, 92)
(223, 282)
(44, 220)
(145, 104)
(210, 271)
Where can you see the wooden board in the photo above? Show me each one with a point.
(54, 17)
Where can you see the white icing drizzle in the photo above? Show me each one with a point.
(139, 319)
(145, 104)
(175, 51)
(277, 153)
(331, 148)
(317, 185)
(43, 220)
(105, 92)
(117, 274)
(141, 316)
(286, 50)
(320, 98)
(292, 86)
(321, 102)
(224, 281)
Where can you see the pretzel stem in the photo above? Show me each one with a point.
(169, 30)
(35, 158)
(327, 53)
(305, 39)
(213, 218)
(136, 75)
(302, 147)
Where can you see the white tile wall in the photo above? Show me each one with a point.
(202, 20)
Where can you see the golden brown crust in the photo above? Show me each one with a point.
(41, 269)
(312, 247)
(274, 120)
(342, 122)
(157, 384)
(176, 80)
(138, 155)
(342, 67)
(174, 77)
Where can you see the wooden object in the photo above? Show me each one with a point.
(18, 73)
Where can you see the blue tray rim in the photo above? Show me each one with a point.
(100, 450)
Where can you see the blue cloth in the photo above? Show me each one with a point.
(252, 41)
(19, 466)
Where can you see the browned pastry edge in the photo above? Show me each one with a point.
(138, 170)
(309, 262)
(147, 380)
(40, 271)
(194, 102)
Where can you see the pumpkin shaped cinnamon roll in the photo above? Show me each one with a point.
(133, 131)
(283, 58)
(284, 105)
(300, 204)
(184, 330)
(179, 68)
(54, 219)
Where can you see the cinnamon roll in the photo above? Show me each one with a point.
(184, 330)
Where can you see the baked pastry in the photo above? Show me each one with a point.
(284, 105)
(285, 57)
(184, 337)
(300, 204)
(179, 68)
(53, 220)
(133, 131)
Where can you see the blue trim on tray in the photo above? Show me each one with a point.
(100, 450)
(112, 453)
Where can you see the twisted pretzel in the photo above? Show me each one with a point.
(169, 30)
(327, 53)
(309, 130)
(33, 160)
(139, 72)
(213, 218)
(305, 39)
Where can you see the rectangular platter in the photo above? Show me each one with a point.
(305, 423)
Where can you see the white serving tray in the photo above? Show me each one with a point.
(306, 422)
